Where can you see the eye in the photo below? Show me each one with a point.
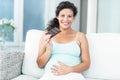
(62, 15)
(69, 16)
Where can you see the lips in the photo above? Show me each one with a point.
(66, 24)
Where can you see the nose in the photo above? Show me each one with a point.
(66, 18)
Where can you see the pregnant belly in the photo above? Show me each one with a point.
(66, 59)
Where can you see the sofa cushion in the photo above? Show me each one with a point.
(105, 56)
(10, 64)
(30, 66)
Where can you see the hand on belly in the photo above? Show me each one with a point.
(60, 69)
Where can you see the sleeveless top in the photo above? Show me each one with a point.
(67, 53)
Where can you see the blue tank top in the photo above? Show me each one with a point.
(68, 53)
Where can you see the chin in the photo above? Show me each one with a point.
(65, 28)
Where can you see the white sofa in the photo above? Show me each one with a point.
(104, 52)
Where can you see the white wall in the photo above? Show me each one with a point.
(51, 7)
(108, 16)
(91, 16)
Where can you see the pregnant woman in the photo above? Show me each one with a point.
(65, 55)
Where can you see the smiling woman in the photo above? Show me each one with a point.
(56, 54)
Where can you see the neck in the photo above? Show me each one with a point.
(66, 31)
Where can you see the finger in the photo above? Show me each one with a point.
(56, 74)
(60, 63)
(48, 36)
(53, 69)
(48, 42)
(55, 66)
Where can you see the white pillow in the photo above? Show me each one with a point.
(105, 56)
(30, 66)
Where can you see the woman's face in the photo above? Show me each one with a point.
(65, 18)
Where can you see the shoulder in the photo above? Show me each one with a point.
(81, 37)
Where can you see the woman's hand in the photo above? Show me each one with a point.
(44, 50)
(48, 43)
(61, 69)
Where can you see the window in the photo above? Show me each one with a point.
(7, 11)
(108, 19)
(27, 15)
(103, 16)
(34, 11)
(31, 14)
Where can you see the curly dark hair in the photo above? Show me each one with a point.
(63, 5)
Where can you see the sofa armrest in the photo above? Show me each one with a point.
(10, 64)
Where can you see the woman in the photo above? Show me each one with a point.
(65, 55)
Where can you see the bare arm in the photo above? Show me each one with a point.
(44, 51)
(85, 57)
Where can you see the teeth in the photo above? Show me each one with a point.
(65, 23)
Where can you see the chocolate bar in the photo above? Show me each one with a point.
(53, 31)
